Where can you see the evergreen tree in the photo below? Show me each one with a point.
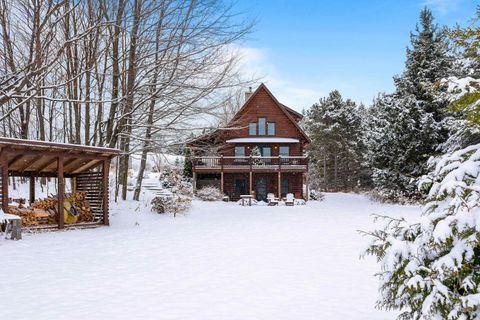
(187, 165)
(408, 127)
(336, 150)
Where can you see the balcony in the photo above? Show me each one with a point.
(211, 164)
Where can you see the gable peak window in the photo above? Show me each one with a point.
(262, 122)
(252, 129)
(271, 128)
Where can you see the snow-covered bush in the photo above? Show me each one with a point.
(173, 179)
(171, 205)
(431, 269)
(209, 193)
(316, 195)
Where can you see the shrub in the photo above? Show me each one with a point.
(171, 205)
(316, 195)
(209, 193)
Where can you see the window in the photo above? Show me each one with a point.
(252, 129)
(262, 123)
(266, 152)
(271, 129)
(284, 151)
(239, 151)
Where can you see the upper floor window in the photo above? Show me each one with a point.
(252, 129)
(271, 128)
(262, 123)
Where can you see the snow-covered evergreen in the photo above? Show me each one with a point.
(407, 127)
(337, 149)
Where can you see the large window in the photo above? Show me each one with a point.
(262, 123)
(271, 129)
(252, 129)
(284, 151)
(239, 151)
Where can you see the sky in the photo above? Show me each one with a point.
(304, 49)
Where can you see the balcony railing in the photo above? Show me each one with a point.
(252, 163)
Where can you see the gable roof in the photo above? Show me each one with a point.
(287, 111)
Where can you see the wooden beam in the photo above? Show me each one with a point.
(61, 192)
(46, 165)
(32, 189)
(15, 159)
(89, 165)
(106, 170)
(29, 163)
(70, 162)
(51, 153)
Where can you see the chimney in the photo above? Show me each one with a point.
(248, 94)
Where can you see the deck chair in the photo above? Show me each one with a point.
(290, 200)
(271, 200)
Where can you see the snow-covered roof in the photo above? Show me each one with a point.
(263, 140)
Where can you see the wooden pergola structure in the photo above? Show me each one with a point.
(31, 158)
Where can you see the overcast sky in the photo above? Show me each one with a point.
(304, 49)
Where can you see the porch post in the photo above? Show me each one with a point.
(307, 196)
(32, 189)
(106, 170)
(250, 183)
(279, 185)
(221, 174)
(61, 193)
(4, 164)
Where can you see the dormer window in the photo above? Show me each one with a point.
(252, 129)
(271, 128)
(262, 124)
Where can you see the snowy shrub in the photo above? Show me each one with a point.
(209, 193)
(171, 205)
(431, 269)
(173, 179)
(316, 195)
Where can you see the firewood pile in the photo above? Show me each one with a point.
(44, 211)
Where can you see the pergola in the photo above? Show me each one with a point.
(30, 158)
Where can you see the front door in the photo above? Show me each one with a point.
(261, 189)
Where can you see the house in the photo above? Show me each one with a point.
(278, 164)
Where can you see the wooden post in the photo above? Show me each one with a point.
(32, 189)
(105, 202)
(251, 183)
(61, 193)
(221, 174)
(74, 184)
(307, 196)
(4, 164)
(279, 185)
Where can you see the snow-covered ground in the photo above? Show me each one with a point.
(219, 261)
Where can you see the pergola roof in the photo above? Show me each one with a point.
(40, 158)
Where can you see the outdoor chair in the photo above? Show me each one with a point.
(290, 200)
(271, 200)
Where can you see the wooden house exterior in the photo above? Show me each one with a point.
(273, 128)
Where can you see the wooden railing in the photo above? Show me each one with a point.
(222, 163)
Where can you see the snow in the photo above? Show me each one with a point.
(263, 140)
(219, 261)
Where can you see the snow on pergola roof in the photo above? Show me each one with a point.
(263, 140)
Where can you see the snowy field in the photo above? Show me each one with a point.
(220, 261)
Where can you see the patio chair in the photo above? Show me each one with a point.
(272, 201)
(290, 200)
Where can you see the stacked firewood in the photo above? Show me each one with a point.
(45, 211)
